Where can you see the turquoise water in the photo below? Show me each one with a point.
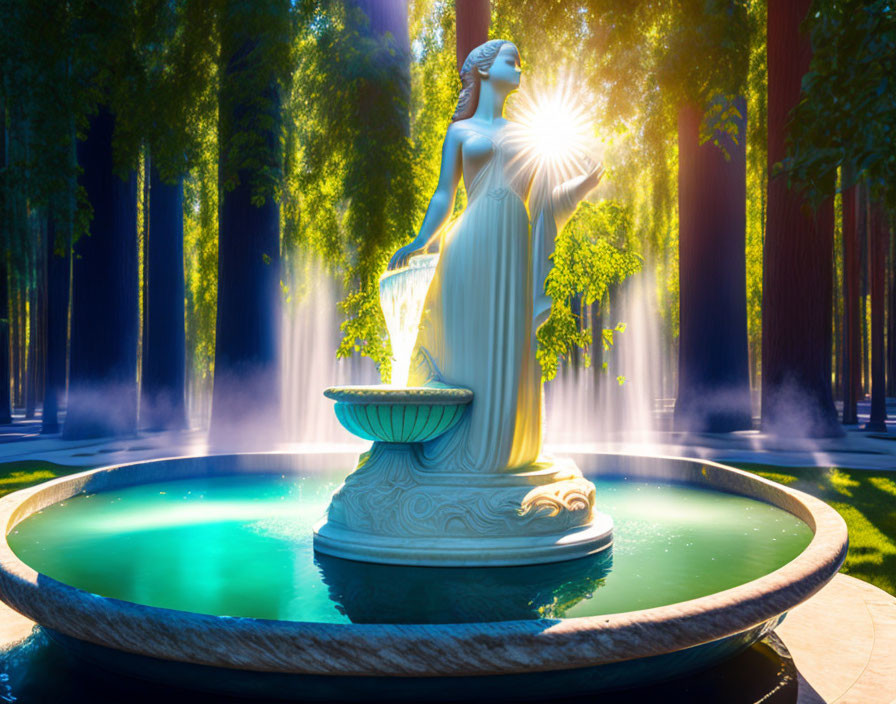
(241, 546)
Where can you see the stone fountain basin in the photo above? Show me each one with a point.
(399, 415)
(508, 659)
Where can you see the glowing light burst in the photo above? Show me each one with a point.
(554, 129)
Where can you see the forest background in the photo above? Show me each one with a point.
(172, 170)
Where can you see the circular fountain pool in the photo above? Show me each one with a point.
(200, 572)
(241, 546)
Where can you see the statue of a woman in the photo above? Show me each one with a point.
(479, 494)
(486, 297)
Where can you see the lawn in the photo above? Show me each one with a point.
(865, 499)
(24, 473)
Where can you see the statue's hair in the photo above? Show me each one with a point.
(480, 59)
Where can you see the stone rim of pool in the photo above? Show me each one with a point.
(466, 649)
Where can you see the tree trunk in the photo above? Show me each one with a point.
(864, 233)
(58, 269)
(16, 317)
(878, 245)
(891, 319)
(850, 358)
(473, 19)
(37, 297)
(797, 399)
(31, 350)
(164, 345)
(142, 242)
(838, 334)
(5, 368)
(713, 352)
(246, 393)
(102, 397)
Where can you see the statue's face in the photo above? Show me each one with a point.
(505, 72)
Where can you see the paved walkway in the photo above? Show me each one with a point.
(843, 643)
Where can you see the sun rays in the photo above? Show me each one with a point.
(554, 126)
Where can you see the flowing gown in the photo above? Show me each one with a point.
(477, 327)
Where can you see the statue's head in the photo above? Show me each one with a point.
(498, 62)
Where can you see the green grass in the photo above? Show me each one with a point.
(865, 499)
(24, 473)
(867, 502)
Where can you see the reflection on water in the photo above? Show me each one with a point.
(369, 593)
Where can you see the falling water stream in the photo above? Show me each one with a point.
(402, 293)
(584, 406)
(587, 406)
(311, 335)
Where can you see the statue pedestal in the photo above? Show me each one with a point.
(392, 511)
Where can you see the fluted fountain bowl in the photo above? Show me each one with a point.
(399, 415)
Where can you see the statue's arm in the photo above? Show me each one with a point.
(570, 193)
(442, 202)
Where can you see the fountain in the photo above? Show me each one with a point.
(456, 474)
(392, 509)
(480, 568)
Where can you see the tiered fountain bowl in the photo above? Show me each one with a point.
(399, 415)
(198, 572)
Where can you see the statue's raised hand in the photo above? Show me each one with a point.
(403, 255)
(594, 170)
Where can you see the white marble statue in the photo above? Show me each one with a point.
(480, 493)
(480, 315)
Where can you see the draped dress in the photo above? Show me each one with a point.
(477, 327)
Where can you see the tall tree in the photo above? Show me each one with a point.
(714, 375)
(797, 398)
(879, 244)
(473, 19)
(846, 121)
(891, 318)
(254, 48)
(102, 397)
(58, 268)
(851, 369)
(177, 52)
(5, 369)
(162, 401)
(37, 320)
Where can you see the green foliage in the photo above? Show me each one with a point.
(254, 69)
(847, 114)
(179, 48)
(41, 98)
(588, 259)
(642, 60)
(353, 195)
(201, 264)
(357, 155)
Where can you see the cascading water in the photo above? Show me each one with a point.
(583, 406)
(402, 293)
(311, 335)
(589, 406)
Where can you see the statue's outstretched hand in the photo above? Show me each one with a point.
(401, 257)
(594, 170)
